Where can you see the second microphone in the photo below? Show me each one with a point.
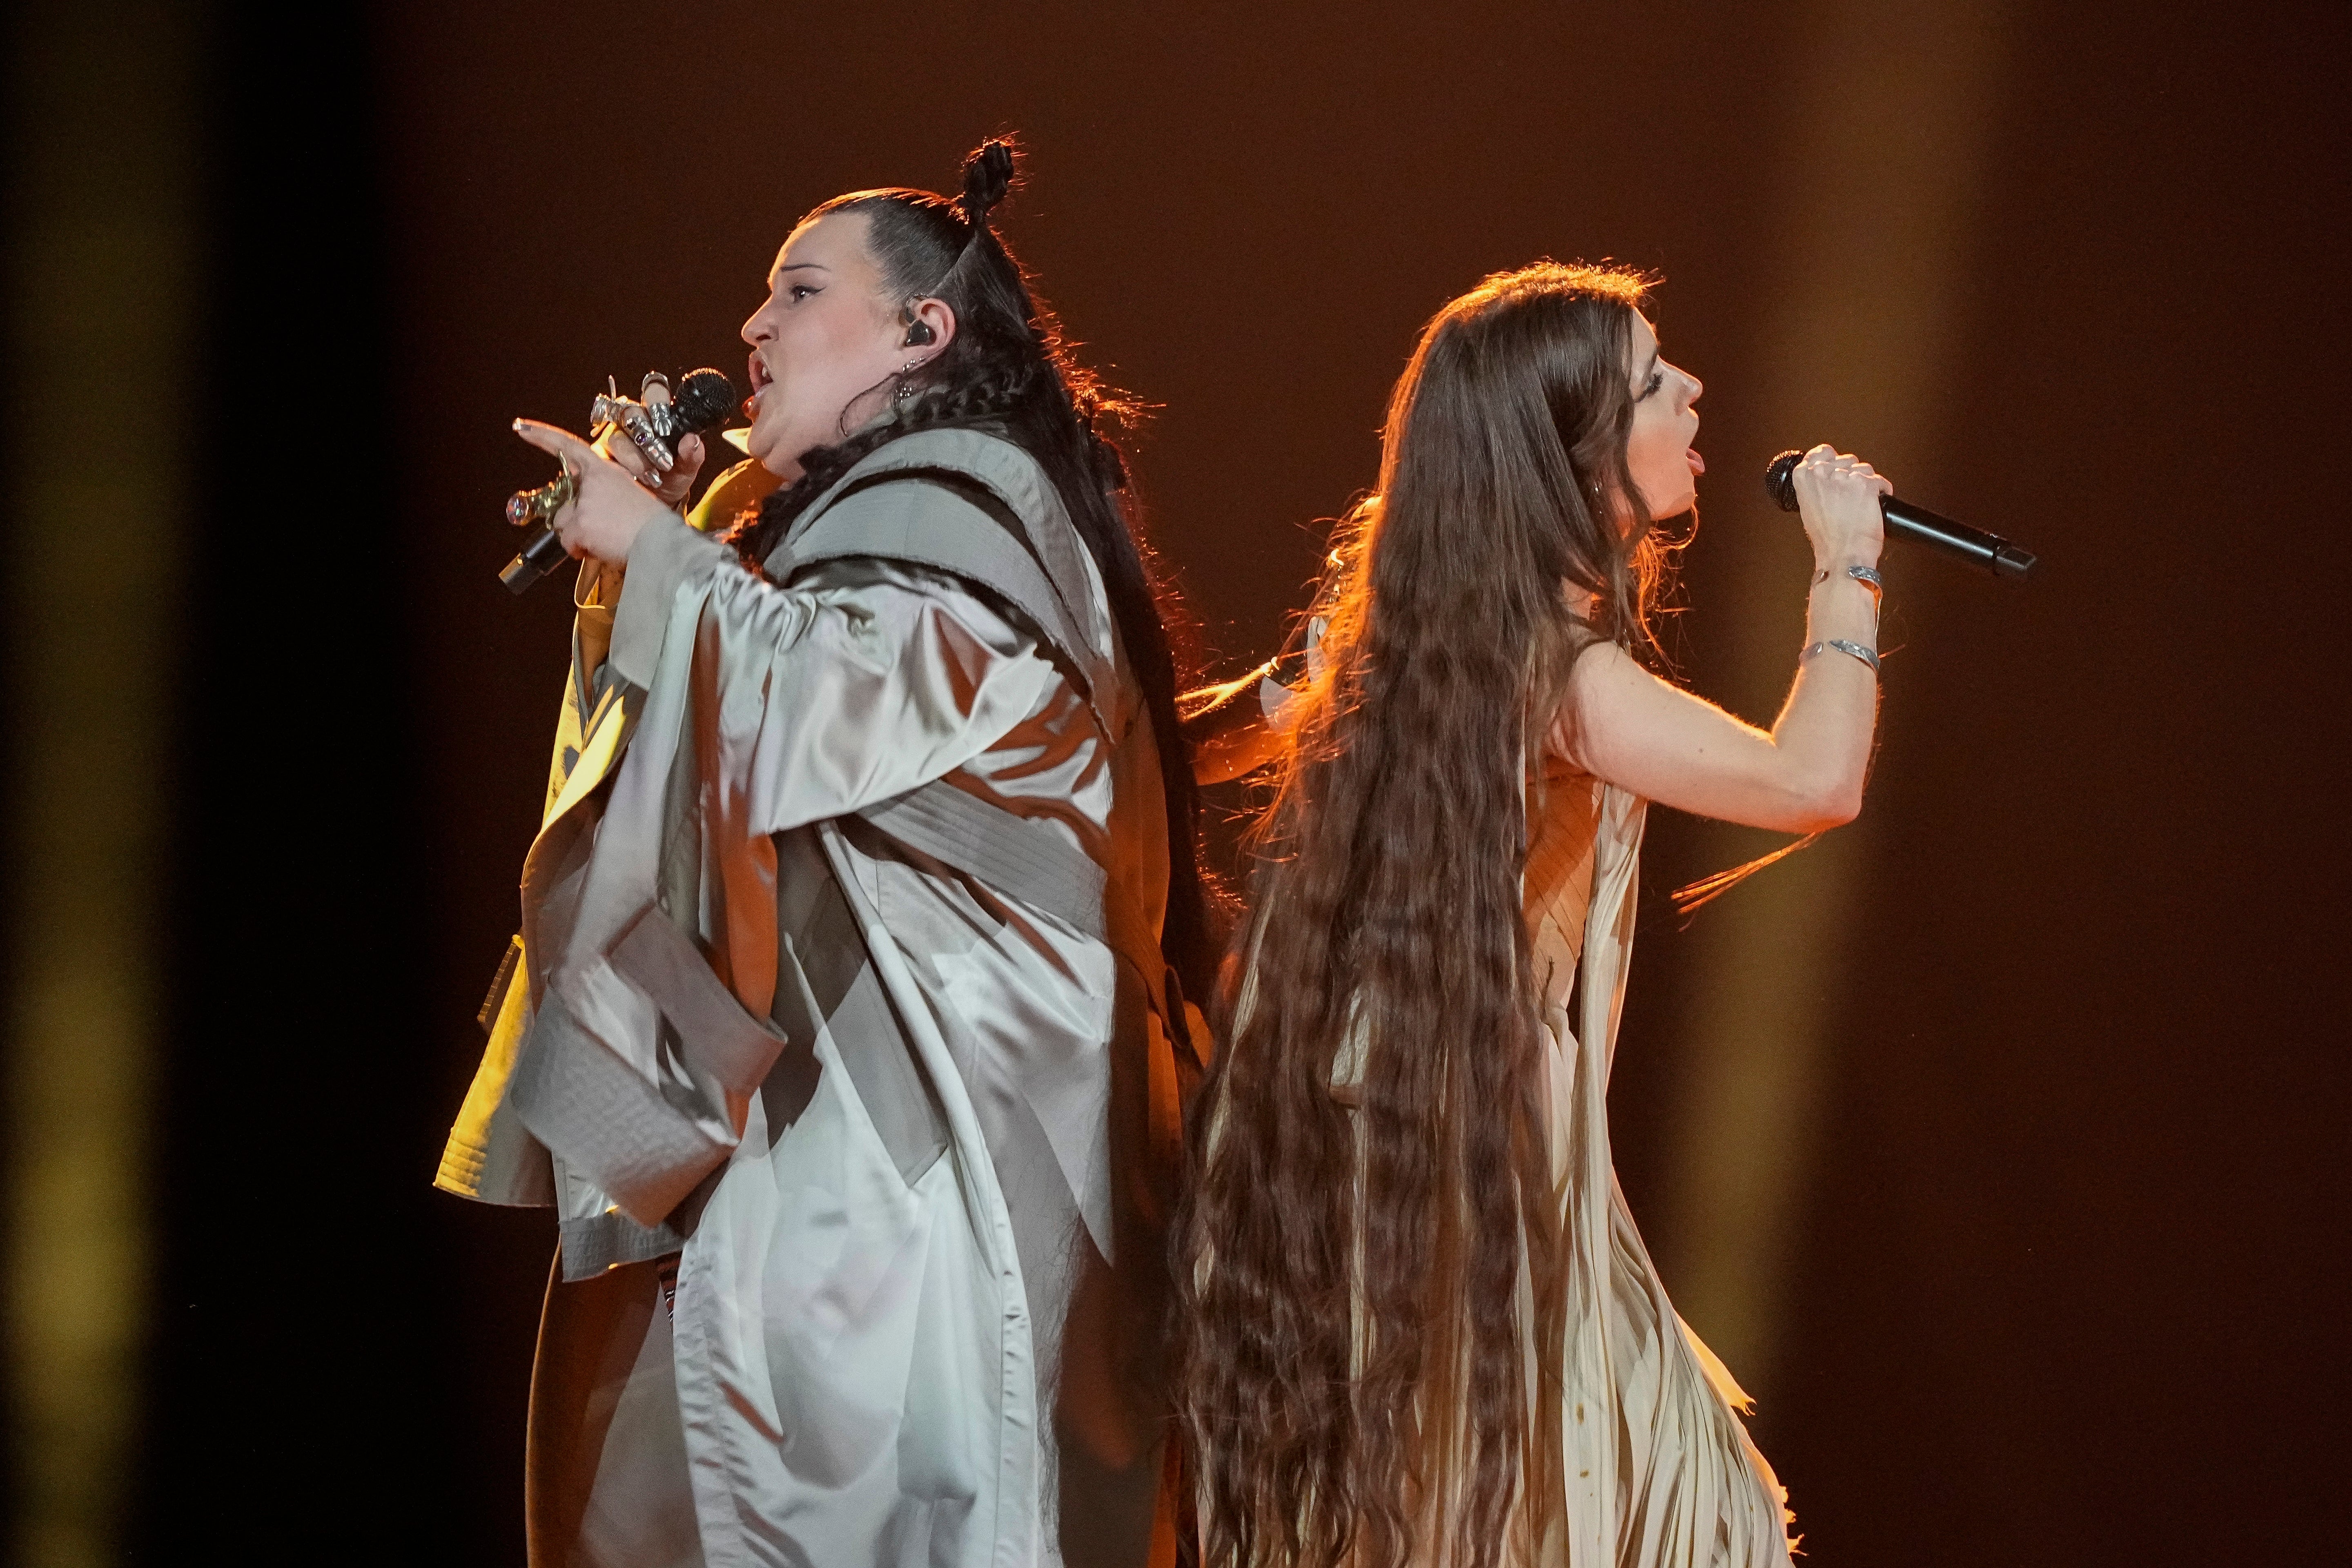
(1957, 540)
(655, 426)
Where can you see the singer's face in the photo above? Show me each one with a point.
(825, 339)
(1659, 452)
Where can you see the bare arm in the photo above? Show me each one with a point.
(1242, 725)
(1625, 725)
(1232, 726)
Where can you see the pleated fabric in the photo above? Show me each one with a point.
(1661, 1472)
(1659, 1469)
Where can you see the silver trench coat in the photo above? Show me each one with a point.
(903, 1128)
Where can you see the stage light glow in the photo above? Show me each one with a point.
(101, 299)
(1892, 113)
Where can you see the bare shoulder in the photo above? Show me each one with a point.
(1601, 684)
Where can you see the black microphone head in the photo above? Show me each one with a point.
(704, 398)
(1780, 479)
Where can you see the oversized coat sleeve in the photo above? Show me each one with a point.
(821, 698)
(765, 708)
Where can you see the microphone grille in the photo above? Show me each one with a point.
(1780, 479)
(704, 398)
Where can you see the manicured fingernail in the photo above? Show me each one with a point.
(518, 424)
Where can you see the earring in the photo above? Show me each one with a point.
(905, 390)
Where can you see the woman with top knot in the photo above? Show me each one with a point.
(848, 1036)
(1418, 1325)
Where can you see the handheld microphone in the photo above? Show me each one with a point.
(1957, 540)
(704, 398)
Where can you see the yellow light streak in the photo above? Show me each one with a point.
(100, 305)
(1880, 180)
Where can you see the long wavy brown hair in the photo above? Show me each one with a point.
(1352, 1383)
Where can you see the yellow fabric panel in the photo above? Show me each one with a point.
(730, 493)
(470, 1138)
(606, 729)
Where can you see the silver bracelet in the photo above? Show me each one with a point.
(1852, 650)
(1866, 576)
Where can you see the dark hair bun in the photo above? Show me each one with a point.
(987, 175)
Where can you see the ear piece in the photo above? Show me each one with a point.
(919, 333)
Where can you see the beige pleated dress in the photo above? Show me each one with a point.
(1660, 1471)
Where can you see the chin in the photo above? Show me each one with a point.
(769, 451)
(1676, 502)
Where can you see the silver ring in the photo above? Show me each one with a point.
(639, 425)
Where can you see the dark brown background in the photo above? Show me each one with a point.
(2066, 1270)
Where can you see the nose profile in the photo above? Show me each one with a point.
(755, 325)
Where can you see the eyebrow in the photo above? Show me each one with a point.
(804, 267)
(1650, 369)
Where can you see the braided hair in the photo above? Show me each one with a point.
(1008, 370)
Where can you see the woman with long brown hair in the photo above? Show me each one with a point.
(1418, 1325)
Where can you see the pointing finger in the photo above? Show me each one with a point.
(554, 441)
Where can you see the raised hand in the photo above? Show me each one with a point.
(1837, 499)
(631, 447)
(611, 507)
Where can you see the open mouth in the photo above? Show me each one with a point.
(759, 380)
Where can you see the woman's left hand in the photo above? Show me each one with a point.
(611, 507)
